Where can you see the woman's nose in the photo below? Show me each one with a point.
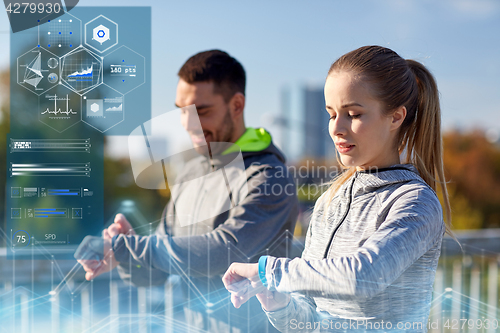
(338, 126)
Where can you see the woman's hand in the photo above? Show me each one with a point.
(273, 300)
(243, 282)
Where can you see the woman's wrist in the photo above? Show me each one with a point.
(262, 270)
(272, 301)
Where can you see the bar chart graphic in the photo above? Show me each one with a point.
(63, 192)
(49, 145)
(51, 212)
(50, 169)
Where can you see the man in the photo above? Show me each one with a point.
(194, 244)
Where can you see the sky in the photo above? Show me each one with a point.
(293, 43)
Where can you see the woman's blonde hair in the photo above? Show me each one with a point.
(398, 82)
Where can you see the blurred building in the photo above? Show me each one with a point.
(301, 127)
(317, 141)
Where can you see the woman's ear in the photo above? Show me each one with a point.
(398, 117)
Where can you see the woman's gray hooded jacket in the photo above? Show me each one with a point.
(371, 256)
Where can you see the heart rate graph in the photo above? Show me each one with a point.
(59, 108)
(68, 111)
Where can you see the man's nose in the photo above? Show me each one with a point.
(190, 120)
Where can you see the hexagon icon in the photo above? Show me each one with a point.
(61, 35)
(81, 70)
(101, 33)
(103, 108)
(124, 69)
(38, 70)
(59, 108)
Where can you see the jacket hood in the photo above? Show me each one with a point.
(369, 180)
(255, 141)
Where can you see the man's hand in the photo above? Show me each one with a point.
(243, 282)
(94, 267)
(121, 226)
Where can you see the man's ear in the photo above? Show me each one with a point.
(237, 104)
(398, 117)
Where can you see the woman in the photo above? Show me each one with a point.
(375, 236)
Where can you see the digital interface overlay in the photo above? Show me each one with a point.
(74, 79)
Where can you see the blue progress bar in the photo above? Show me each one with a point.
(63, 192)
(69, 193)
(50, 212)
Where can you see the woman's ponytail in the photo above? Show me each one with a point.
(422, 140)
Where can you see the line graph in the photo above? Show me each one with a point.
(81, 70)
(86, 73)
(118, 108)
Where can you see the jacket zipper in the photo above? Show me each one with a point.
(196, 211)
(343, 217)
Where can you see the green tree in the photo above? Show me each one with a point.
(472, 167)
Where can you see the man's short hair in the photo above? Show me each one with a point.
(218, 67)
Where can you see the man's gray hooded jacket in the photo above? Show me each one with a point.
(260, 213)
